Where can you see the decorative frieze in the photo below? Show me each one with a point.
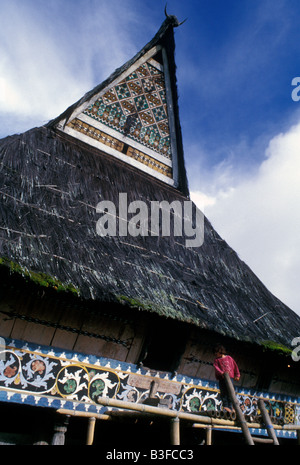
(49, 377)
(110, 141)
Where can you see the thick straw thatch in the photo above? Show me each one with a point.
(50, 186)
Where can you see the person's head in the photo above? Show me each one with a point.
(219, 350)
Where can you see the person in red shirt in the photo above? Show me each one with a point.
(224, 363)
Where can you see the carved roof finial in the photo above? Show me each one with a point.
(173, 19)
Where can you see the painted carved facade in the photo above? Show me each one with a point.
(44, 376)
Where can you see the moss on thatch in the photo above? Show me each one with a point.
(276, 347)
(42, 279)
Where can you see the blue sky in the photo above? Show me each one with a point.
(241, 129)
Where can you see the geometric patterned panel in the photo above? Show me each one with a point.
(110, 141)
(136, 108)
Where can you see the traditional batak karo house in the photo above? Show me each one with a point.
(119, 330)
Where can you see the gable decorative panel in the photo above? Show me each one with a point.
(136, 108)
(132, 118)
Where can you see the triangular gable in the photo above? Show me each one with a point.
(132, 115)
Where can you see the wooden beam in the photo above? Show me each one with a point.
(78, 413)
(161, 411)
(239, 413)
(267, 422)
(263, 440)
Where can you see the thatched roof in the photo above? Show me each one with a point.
(50, 186)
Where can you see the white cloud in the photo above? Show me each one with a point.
(49, 58)
(259, 215)
(35, 79)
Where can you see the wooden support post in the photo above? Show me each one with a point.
(175, 431)
(267, 422)
(153, 388)
(239, 413)
(209, 436)
(60, 430)
(91, 431)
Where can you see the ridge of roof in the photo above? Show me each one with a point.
(168, 23)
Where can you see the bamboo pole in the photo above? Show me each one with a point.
(263, 440)
(209, 436)
(161, 411)
(239, 413)
(232, 428)
(78, 413)
(175, 431)
(199, 421)
(288, 427)
(147, 410)
(267, 422)
(90, 431)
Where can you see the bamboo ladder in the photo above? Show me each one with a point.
(241, 419)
